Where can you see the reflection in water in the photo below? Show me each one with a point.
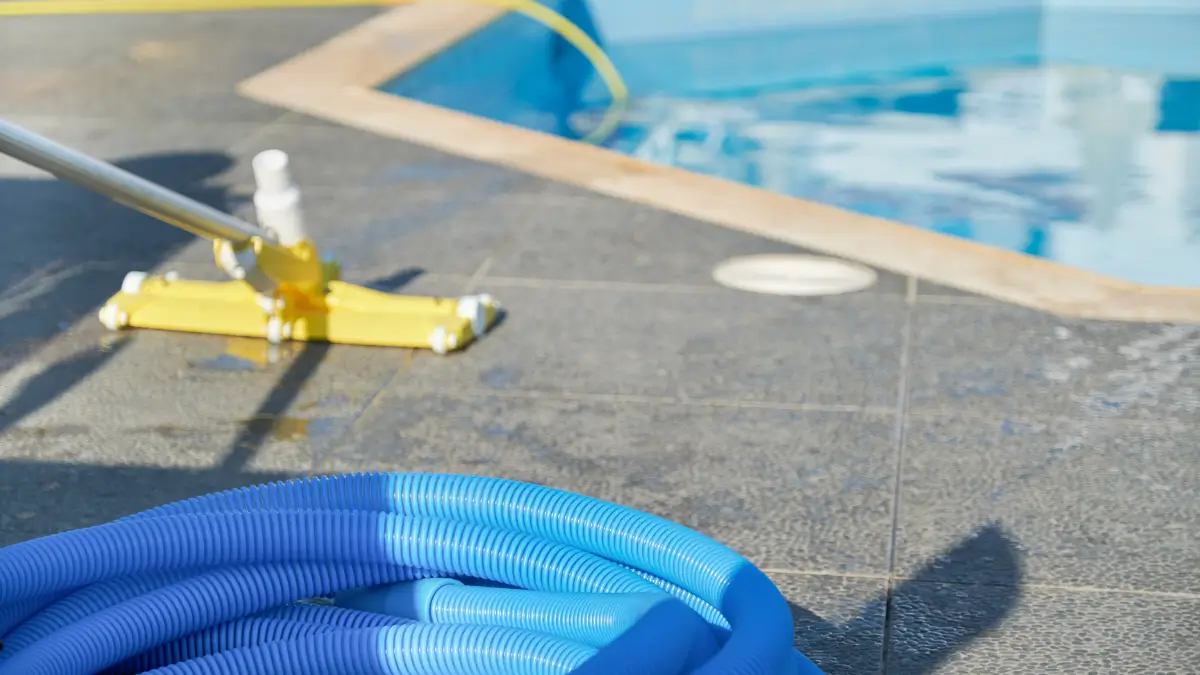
(1094, 168)
(949, 121)
(247, 354)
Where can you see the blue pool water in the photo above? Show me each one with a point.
(1074, 138)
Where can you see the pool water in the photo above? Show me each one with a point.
(993, 137)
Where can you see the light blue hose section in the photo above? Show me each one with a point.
(432, 574)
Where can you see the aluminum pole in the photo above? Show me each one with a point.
(124, 187)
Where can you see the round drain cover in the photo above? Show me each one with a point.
(793, 275)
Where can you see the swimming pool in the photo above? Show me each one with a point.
(1024, 129)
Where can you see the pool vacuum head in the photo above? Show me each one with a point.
(281, 288)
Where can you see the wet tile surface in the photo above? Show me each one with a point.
(1006, 360)
(1080, 503)
(790, 490)
(952, 629)
(91, 378)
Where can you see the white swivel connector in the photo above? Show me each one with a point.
(277, 199)
(475, 309)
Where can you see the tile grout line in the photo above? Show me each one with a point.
(1099, 590)
(756, 405)
(538, 283)
(500, 251)
(910, 301)
(478, 276)
(1066, 588)
(245, 142)
(627, 399)
(404, 366)
(1003, 415)
(666, 400)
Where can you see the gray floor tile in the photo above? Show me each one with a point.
(789, 490)
(1064, 502)
(720, 345)
(583, 237)
(185, 67)
(1011, 361)
(953, 629)
(839, 621)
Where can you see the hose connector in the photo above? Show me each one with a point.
(277, 199)
(241, 263)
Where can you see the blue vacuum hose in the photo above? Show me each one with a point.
(390, 574)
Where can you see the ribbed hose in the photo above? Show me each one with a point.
(437, 575)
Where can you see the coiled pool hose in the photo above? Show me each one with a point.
(390, 574)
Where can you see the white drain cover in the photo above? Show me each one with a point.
(793, 275)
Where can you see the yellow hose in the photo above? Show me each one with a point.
(530, 8)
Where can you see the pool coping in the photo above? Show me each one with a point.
(337, 81)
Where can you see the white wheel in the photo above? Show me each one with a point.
(132, 283)
(278, 331)
(438, 341)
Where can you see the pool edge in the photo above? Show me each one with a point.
(337, 81)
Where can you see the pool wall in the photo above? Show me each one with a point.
(500, 72)
(340, 81)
